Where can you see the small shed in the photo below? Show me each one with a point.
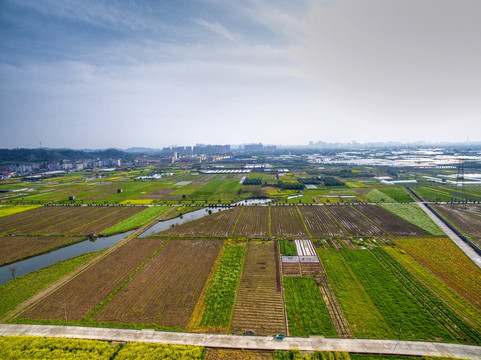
(120, 191)
(71, 197)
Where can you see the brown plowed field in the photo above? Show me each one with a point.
(217, 224)
(84, 292)
(20, 247)
(320, 222)
(287, 223)
(259, 305)
(166, 290)
(291, 269)
(466, 220)
(354, 222)
(65, 220)
(253, 222)
(389, 222)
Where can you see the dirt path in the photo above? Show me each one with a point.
(39, 296)
(415, 348)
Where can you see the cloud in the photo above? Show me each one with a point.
(218, 29)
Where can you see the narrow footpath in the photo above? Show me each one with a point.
(247, 342)
(468, 250)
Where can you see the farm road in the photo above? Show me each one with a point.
(468, 250)
(247, 342)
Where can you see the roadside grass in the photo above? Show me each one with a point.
(415, 215)
(221, 295)
(16, 291)
(457, 303)
(406, 317)
(307, 313)
(364, 318)
(137, 220)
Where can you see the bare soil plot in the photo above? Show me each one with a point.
(389, 222)
(218, 224)
(166, 290)
(87, 290)
(354, 222)
(162, 194)
(22, 247)
(320, 222)
(287, 223)
(253, 222)
(465, 220)
(259, 306)
(64, 220)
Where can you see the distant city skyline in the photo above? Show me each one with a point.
(97, 74)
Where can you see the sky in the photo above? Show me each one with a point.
(100, 74)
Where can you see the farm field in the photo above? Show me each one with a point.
(15, 248)
(10, 210)
(389, 222)
(447, 262)
(397, 193)
(287, 223)
(259, 303)
(137, 220)
(354, 223)
(253, 222)
(65, 220)
(394, 303)
(414, 215)
(306, 311)
(222, 291)
(465, 220)
(180, 271)
(219, 224)
(362, 315)
(320, 222)
(88, 289)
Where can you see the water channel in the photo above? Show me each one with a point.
(38, 262)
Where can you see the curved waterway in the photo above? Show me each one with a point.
(38, 262)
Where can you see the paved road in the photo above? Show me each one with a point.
(468, 250)
(247, 342)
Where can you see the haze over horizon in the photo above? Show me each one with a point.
(98, 74)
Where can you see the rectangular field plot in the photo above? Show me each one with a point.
(389, 222)
(287, 223)
(87, 290)
(21, 247)
(259, 305)
(354, 222)
(66, 220)
(218, 224)
(253, 222)
(166, 290)
(320, 222)
(466, 220)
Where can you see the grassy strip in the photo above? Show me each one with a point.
(15, 292)
(220, 298)
(288, 247)
(415, 215)
(306, 311)
(459, 304)
(136, 220)
(10, 210)
(99, 307)
(302, 219)
(362, 315)
(399, 309)
(458, 328)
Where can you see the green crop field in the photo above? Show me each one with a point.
(288, 247)
(364, 318)
(221, 295)
(406, 317)
(306, 311)
(431, 194)
(376, 195)
(415, 215)
(397, 193)
(137, 220)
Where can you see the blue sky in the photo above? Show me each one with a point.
(96, 74)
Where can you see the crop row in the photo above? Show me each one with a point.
(458, 328)
(221, 295)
